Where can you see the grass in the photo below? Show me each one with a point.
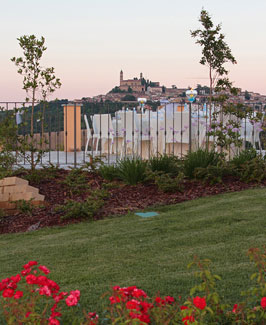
(151, 253)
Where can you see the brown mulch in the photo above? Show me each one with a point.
(122, 199)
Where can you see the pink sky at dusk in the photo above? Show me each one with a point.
(89, 43)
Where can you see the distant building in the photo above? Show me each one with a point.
(135, 84)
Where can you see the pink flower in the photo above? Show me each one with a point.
(18, 294)
(71, 300)
(75, 293)
(45, 291)
(44, 269)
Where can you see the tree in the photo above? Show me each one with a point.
(128, 98)
(215, 53)
(247, 95)
(38, 82)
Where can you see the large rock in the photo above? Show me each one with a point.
(13, 189)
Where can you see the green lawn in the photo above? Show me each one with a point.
(150, 253)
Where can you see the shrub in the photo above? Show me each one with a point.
(109, 172)
(87, 209)
(25, 207)
(132, 171)
(200, 159)
(76, 181)
(167, 183)
(253, 170)
(30, 297)
(213, 174)
(243, 157)
(164, 163)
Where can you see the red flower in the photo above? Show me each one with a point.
(18, 294)
(44, 269)
(25, 272)
(75, 293)
(145, 306)
(199, 302)
(159, 301)
(145, 318)
(12, 285)
(29, 264)
(53, 321)
(263, 302)
(169, 299)
(31, 279)
(132, 304)
(56, 314)
(45, 291)
(235, 308)
(71, 300)
(183, 307)
(138, 293)
(16, 278)
(8, 293)
(28, 314)
(188, 320)
(114, 300)
(116, 288)
(93, 316)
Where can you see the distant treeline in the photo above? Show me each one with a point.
(52, 114)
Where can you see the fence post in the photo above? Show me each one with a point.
(190, 131)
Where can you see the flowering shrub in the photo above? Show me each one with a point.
(32, 298)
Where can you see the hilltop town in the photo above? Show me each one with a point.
(131, 89)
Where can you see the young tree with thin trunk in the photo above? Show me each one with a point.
(215, 53)
(38, 82)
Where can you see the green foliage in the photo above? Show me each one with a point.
(243, 157)
(41, 175)
(164, 163)
(87, 209)
(213, 174)
(76, 181)
(129, 98)
(253, 170)
(8, 142)
(36, 79)
(25, 207)
(169, 184)
(109, 172)
(116, 89)
(215, 52)
(200, 159)
(132, 171)
(93, 164)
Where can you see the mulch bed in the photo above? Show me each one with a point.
(122, 199)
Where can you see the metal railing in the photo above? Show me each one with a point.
(70, 133)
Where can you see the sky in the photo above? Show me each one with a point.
(90, 41)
